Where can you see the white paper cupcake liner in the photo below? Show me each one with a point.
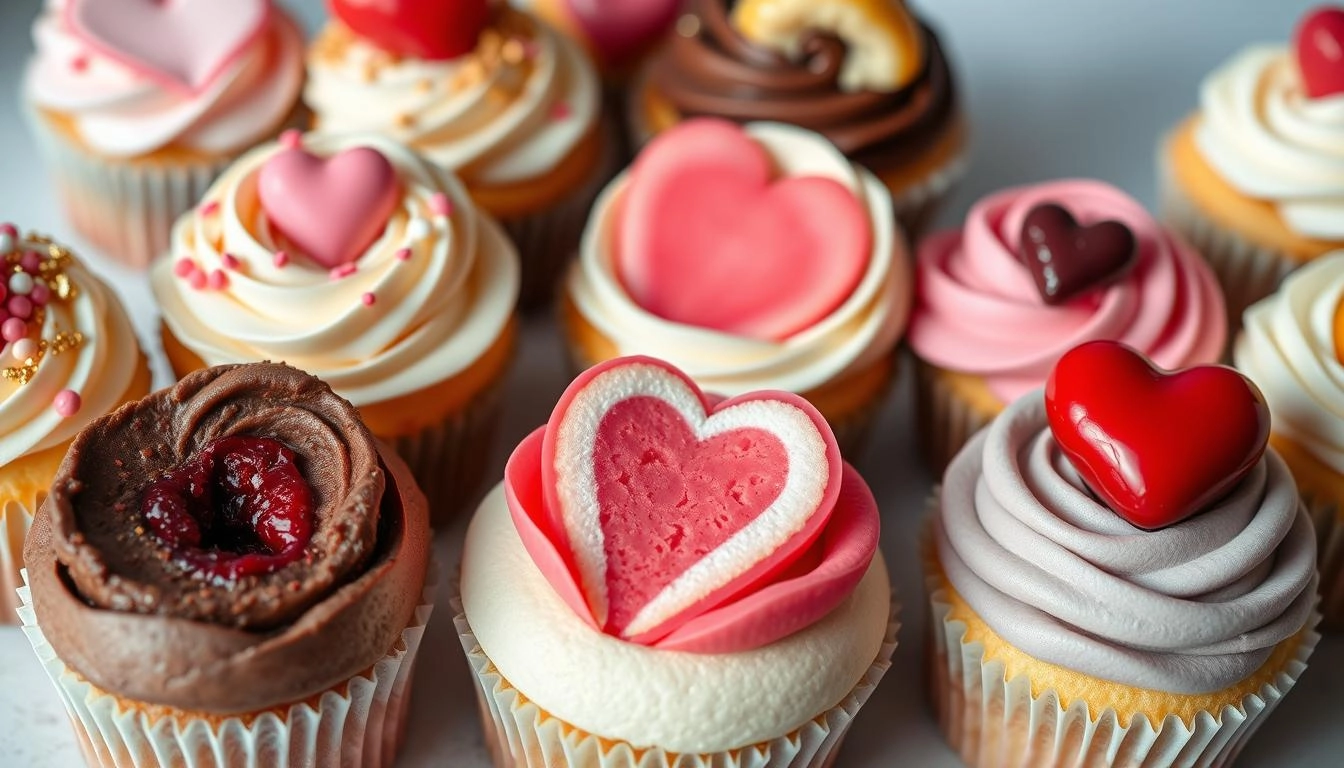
(917, 205)
(947, 421)
(519, 734)
(358, 723)
(1329, 523)
(992, 722)
(15, 520)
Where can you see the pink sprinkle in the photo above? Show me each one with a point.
(560, 111)
(343, 271)
(531, 49)
(197, 280)
(41, 294)
(184, 268)
(67, 403)
(20, 307)
(440, 204)
(25, 349)
(80, 63)
(218, 280)
(368, 299)
(210, 208)
(8, 229)
(403, 254)
(13, 329)
(280, 259)
(291, 139)
(31, 262)
(230, 261)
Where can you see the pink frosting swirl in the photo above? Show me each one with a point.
(978, 310)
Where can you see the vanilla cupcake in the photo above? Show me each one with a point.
(136, 109)
(491, 94)
(360, 262)
(68, 354)
(653, 556)
(751, 258)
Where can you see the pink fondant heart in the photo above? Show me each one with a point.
(329, 208)
(707, 237)
(183, 44)
(670, 506)
(621, 29)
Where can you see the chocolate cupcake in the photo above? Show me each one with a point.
(231, 566)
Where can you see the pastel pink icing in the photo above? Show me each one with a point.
(978, 311)
(668, 498)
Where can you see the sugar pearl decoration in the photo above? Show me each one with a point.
(31, 262)
(418, 229)
(67, 403)
(20, 283)
(24, 349)
(41, 293)
(369, 299)
(280, 259)
(403, 254)
(13, 329)
(218, 280)
(440, 204)
(20, 307)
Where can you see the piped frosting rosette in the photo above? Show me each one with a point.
(696, 553)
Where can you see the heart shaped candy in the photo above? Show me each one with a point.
(670, 505)
(423, 29)
(183, 44)
(620, 30)
(1067, 259)
(707, 237)
(1319, 45)
(329, 208)
(1157, 447)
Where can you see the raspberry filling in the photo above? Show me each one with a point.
(240, 508)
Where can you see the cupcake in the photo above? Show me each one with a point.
(489, 93)
(754, 257)
(137, 107)
(231, 567)
(367, 266)
(1252, 178)
(1290, 347)
(1033, 272)
(1118, 573)
(868, 75)
(654, 555)
(68, 354)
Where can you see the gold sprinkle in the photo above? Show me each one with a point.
(514, 52)
(405, 120)
(688, 25)
(425, 85)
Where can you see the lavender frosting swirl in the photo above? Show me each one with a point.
(1192, 608)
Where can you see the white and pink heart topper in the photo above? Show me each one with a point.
(181, 44)
(667, 518)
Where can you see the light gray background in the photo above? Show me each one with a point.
(1054, 88)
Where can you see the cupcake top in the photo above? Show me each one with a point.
(864, 73)
(1271, 123)
(1291, 348)
(1023, 281)
(223, 531)
(692, 550)
(509, 109)
(616, 34)
(134, 78)
(351, 257)
(756, 257)
(1130, 526)
(68, 352)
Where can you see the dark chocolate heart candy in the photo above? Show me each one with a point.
(1066, 258)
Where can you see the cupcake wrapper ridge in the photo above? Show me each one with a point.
(16, 517)
(1329, 523)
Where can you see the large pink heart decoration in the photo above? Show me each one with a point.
(620, 29)
(707, 237)
(182, 44)
(330, 208)
(666, 506)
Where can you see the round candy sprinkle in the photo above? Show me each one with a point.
(21, 283)
(218, 280)
(31, 262)
(197, 280)
(67, 403)
(403, 254)
(343, 271)
(24, 349)
(280, 259)
(20, 307)
(230, 261)
(368, 299)
(41, 293)
(184, 268)
(13, 329)
(291, 139)
(418, 229)
(440, 204)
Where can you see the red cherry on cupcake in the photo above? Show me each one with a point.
(1156, 446)
(422, 29)
(1319, 45)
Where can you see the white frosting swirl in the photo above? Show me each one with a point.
(1270, 141)
(683, 702)
(1192, 608)
(120, 113)
(1288, 350)
(860, 331)
(493, 122)
(435, 313)
(100, 369)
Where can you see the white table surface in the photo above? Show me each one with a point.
(1054, 88)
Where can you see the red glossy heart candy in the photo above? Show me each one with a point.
(1319, 44)
(1156, 446)
(422, 29)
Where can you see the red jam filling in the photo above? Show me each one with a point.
(239, 508)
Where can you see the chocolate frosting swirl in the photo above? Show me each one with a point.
(121, 611)
(717, 72)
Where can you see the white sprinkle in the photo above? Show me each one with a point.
(21, 283)
(418, 229)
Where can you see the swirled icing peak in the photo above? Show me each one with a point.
(1192, 608)
(978, 309)
(667, 519)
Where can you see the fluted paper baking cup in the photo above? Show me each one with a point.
(992, 722)
(1328, 519)
(947, 421)
(916, 205)
(16, 517)
(519, 734)
(358, 723)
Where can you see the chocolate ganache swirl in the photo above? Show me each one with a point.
(156, 564)
(716, 72)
